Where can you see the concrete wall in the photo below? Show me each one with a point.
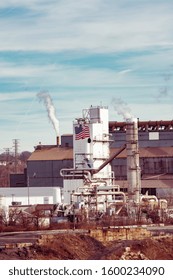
(120, 233)
(105, 235)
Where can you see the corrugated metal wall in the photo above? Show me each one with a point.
(148, 166)
(165, 139)
(47, 173)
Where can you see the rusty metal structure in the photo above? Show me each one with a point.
(142, 125)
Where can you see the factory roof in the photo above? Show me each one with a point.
(148, 152)
(66, 153)
(149, 184)
(51, 153)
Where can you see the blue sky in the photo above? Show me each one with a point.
(83, 52)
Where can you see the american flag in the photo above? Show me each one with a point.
(82, 132)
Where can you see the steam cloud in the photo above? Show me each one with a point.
(165, 89)
(46, 98)
(122, 108)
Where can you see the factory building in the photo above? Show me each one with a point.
(116, 171)
(103, 167)
(29, 196)
(155, 156)
(45, 163)
(155, 140)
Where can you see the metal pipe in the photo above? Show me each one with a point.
(94, 171)
(148, 197)
(99, 194)
(75, 173)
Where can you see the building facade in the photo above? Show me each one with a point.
(155, 153)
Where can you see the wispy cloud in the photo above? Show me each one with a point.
(87, 25)
(82, 52)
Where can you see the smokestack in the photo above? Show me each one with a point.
(58, 141)
(133, 168)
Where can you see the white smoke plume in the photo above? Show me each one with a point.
(46, 98)
(122, 108)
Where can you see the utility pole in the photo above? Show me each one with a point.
(16, 146)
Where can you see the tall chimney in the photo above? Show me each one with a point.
(133, 168)
(58, 141)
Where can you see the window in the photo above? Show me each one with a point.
(153, 135)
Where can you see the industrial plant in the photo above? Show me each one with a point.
(118, 171)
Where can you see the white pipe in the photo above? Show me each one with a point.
(105, 188)
(164, 202)
(99, 194)
(148, 197)
(74, 172)
(93, 181)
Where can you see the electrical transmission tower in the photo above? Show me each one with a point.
(16, 146)
(7, 160)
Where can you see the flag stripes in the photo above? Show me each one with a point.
(82, 132)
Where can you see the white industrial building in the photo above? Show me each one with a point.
(29, 196)
(91, 150)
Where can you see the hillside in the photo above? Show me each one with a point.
(83, 247)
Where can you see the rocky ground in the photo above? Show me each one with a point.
(83, 247)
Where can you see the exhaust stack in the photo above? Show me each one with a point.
(58, 141)
(133, 168)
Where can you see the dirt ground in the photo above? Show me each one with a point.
(83, 247)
